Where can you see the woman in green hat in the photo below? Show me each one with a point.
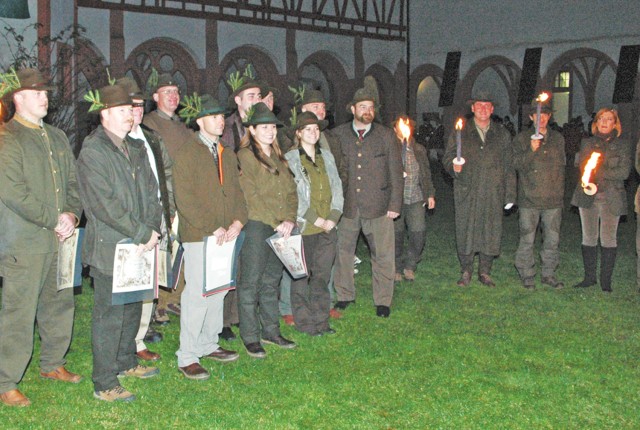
(320, 202)
(272, 202)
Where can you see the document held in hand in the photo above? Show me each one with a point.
(69, 261)
(135, 278)
(291, 252)
(220, 264)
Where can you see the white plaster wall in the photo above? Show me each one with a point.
(384, 53)
(96, 21)
(340, 47)
(272, 40)
(139, 28)
(61, 15)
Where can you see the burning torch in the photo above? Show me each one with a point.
(459, 161)
(405, 131)
(543, 97)
(588, 187)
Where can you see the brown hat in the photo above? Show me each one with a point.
(367, 93)
(312, 96)
(108, 97)
(259, 113)
(24, 79)
(481, 96)
(304, 119)
(131, 86)
(165, 80)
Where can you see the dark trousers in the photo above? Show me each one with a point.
(30, 294)
(410, 224)
(259, 284)
(484, 264)
(113, 334)
(310, 300)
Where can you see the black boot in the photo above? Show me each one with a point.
(589, 260)
(607, 262)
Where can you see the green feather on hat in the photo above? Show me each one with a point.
(9, 82)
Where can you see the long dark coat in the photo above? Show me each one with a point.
(485, 185)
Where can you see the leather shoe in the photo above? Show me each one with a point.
(14, 398)
(160, 317)
(147, 355)
(62, 374)
(335, 314)
(255, 350)
(485, 279)
(288, 320)
(174, 308)
(383, 311)
(223, 355)
(552, 281)
(464, 280)
(152, 336)
(409, 275)
(281, 342)
(342, 305)
(529, 283)
(194, 371)
(227, 334)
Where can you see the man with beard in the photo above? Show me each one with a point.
(39, 208)
(371, 173)
(120, 198)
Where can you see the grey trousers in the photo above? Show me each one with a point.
(30, 294)
(310, 298)
(410, 224)
(530, 218)
(380, 238)
(200, 317)
(597, 221)
(259, 284)
(113, 334)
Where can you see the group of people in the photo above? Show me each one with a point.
(139, 176)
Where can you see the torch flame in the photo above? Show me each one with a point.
(459, 124)
(403, 126)
(543, 97)
(588, 168)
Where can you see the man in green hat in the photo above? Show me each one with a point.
(174, 134)
(371, 173)
(210, 202)
(540, 164)
(120, 198)
(482, 184)
(161, 167)
(39, 208)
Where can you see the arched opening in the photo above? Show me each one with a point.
(322, 71)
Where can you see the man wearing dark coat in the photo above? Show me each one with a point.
(482, 186)
(120, 198)
(371, 173)
(540, 164)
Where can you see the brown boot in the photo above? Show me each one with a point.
(62, 374)
(14, 398)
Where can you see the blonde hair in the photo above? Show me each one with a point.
(617, 126)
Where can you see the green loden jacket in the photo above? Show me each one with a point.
(37, 184)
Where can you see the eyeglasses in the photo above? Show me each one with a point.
(135, 105)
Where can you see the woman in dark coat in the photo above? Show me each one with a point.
(600, 212)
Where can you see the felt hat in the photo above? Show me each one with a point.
(545, 107)
(195, 106)
(369, 92)
(312, 96)
(259, 113)
(108, 97)
(24, 79)
(481, 96)
(304, 119)
(165, 80)
(132, 88)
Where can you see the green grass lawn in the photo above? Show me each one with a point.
(446, 358)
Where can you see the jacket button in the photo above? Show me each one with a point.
(359, 178)
(357, 190)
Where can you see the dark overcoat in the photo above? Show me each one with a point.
(485, 185)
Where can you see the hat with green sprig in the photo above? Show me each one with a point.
(195, 107)
(482, 96)
(132, 88)
(24, 79)
(108, 96)
(239, 83)
(159, 80)
(260, 113)
(303, 96)
(369, 92)
(301, 120)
